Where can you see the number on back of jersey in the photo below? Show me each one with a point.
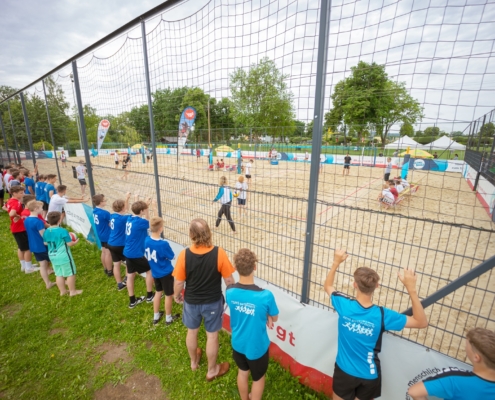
(150, 255)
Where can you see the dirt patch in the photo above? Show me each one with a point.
(11, 309)
(57, 331)
(138, 386)
(114, 353)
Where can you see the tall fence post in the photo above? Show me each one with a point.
(51, 132)
(16, 153)
(5, 138)
(28, 130)
(84, 138)
(321, 69)
(152, 123)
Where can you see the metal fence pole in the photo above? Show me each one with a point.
(51, 132)
(84, 137)
(152, 124)
(480, 133)
(28, 130)
(16, 153)
(321, 70)
(5, 138)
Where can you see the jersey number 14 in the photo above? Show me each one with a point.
(150, 255)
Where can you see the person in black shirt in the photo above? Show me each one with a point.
(347, 164)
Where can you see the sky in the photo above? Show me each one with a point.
(442, 50)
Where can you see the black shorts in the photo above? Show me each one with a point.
(82, 182)
(42, 256)
(117, 253)
(241, 202)
(45, 206)
(347, 166)
(165, 284)
(257, 367)
(104, 244)
(138, 265)
(2, 193)
(349, 387)
(248, 176)
(22, 240)
(386, 177)
(116, 163)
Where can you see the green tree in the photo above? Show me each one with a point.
(433, 131)
(456, 134)
(368, 99)
(406, 129)
(138, 118)
(167, 108)
(488, 130)
(300, 128)
(261, 99)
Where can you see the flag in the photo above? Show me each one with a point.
(102, 132)
(185, 123)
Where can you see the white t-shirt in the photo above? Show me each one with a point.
(81, 171)
(242, 187)
(6, 180)
(247, 168)
(399, 188)
(116, 157)
(385, 193)
(62, 156)
(57, 203)
(405, 183)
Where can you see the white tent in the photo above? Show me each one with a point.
(443, 143)
(403, 143)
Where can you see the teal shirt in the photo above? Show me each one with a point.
(56, 239)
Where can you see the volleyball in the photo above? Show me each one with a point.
(236, 193)
(73, 236)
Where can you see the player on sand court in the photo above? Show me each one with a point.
(225, 197)
(347, 164)
(361, 326)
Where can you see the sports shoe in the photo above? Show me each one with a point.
(150, 299)
(121, 286)
(31, 270)
(155, 321)
(139, 300)
(174, 317)
(109, 273)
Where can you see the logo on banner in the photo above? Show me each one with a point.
(185, 123)
(419, 164)
(102, 131)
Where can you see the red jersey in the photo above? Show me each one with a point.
(394, 192)
(26, 213)
(15, 226)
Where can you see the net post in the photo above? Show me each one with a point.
(16, 153)
(51, 131)
(152, 124)
(321, 68)
(28, 130)
(84, 137)
(5, 138)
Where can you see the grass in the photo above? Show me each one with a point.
(37, 362)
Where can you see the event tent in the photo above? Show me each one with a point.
(404, 142)
(443, 143)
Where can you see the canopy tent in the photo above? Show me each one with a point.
(225, 149)
(402, 143)
(417, 153)
(138, 146)
(443, 143)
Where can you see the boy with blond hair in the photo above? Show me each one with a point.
(58, 241)
(160, 256)
(361, 326)
(35, 228)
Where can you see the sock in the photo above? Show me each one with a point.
(169, 318)
(156, 315)
(132, 299)
(23, 265)
(149, 294)
(28, 264)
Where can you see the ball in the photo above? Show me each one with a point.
(73, 236)
(236, 194)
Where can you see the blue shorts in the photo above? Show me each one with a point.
(193, 314)
(42, 256)
(241, 202)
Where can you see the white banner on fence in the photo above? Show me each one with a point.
(77, 218)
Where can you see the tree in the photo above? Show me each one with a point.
(406, 129)
(368, 99)
(261, 99)
(433, 131)
(139, 119)
(167, 108)
(456, 134)
(300, 128)
(488, 130)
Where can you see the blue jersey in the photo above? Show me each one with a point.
(249, 307)
(136, 230)
(360, 335)
(117, 229)
(159, 255)
(456, 384)
(39, 190)
(102, 223)
(48, 188)
(33, 227)
(29, 183)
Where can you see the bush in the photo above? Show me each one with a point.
(39, 145)
(425, 139)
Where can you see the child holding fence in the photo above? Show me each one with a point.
(241, 188)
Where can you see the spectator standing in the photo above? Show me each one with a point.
(81, 176)
(388, 169)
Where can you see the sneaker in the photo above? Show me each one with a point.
(150, 299)
(121, 286)
(174, 317)
(139, 300)
(109, 273)
(31, 270)
(155, 321)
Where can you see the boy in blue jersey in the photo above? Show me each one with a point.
(102, 223)
(159, 255)
(456, 384)
(58, 241)
(361, 326)
(116, 240)
(35, 227)
(29, 182)
(136, 230)
(39, 191)
(252, 309)
(49, 189)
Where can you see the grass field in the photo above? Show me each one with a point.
(93, 346)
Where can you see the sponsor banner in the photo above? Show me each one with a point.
(186, 121)
(436, 165)
(79, 217)
(103, 128)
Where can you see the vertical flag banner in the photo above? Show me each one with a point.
(102, 131)
(186, 121)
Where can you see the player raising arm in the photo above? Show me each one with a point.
(361, 326)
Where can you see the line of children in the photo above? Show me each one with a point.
(102, 222)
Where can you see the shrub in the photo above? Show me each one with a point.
(39, 145)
